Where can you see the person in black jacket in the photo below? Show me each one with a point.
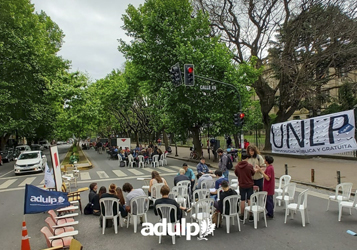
(226, 192)
(92, 191)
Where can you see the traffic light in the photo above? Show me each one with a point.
(175, 73)
(189, 77)
(239, 119)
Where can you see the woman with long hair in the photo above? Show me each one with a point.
(256, 159)
(121, 198)
(155, 178)
(95, 200)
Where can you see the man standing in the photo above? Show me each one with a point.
(222, 165)
(245, 171)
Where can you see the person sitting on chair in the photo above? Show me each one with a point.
(181, 177)
(165, 190)
(202, 167)
(95, 200)
(225, 193)
(155, 178)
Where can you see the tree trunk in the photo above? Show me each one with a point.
(165, 139)
(236, 140)
(267, 145)
(196, 140)
(137, 138)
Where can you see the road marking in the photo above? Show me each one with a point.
(148, 169)
(119, 173)
(85, 176)
(102, 174)
(7, 173)
(313, 193)
(27, 181)
(168, 170)
(7, 183)
(42, 182)
(136, 172)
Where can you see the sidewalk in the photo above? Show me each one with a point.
(299, 168)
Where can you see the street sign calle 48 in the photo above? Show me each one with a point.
(207, 87)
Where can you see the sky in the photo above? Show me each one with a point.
(92, 29)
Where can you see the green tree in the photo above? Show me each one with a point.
(28, 63)
(165, 32)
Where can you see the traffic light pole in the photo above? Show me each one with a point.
(240, 102)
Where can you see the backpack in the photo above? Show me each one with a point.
(229, 162)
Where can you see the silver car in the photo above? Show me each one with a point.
(30, 161)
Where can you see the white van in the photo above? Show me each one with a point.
(23, 148)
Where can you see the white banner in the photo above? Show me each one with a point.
(56, 167)
(327, 134)
(49, 181)
(123, 143)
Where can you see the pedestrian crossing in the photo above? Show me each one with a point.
(20, 182)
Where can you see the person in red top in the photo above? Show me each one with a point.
(244, 171)
(246, 143)
(269, 184)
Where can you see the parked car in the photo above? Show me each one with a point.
(37, 147)
(23, 148)
(61, 142)
(45, 143)
(1, 160)
(7, 155)
(30, 161)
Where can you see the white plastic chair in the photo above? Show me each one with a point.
(233, 205)
(219, 190)
(202, 210)
(207, 184)
(300, 206)
(257, 205)
(107, 206)
(200, 194)
(346, 189)
(165, 210)
(234, 184)
(181, 195)
(283, 180)
(161, 160)
(120, 160)
(165, 159)
(187, 184)
(287, 195)
(131, 160)
(139, 206)
(155, 161)
(141, 161)
(349, 204)
(155, 191)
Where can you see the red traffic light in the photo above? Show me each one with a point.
(190, 70)
(241, 115)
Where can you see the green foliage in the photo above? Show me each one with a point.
(28, 64)
(166, 32)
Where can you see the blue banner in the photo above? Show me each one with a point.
(38, 200)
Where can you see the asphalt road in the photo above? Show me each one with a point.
(324, 231)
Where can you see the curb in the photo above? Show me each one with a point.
(85, 167)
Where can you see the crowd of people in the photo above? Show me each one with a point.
(254, 173)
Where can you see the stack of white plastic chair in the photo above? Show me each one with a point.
(283, 180)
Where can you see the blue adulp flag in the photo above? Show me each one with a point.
(38, 200)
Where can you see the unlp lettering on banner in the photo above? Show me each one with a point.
(327, 134)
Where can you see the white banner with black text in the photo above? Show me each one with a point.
(327, 134)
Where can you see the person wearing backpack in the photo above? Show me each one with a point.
(256, 160)
(225, 162)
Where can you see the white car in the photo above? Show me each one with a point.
(30, 161)
(23, 148)
(45, 144)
